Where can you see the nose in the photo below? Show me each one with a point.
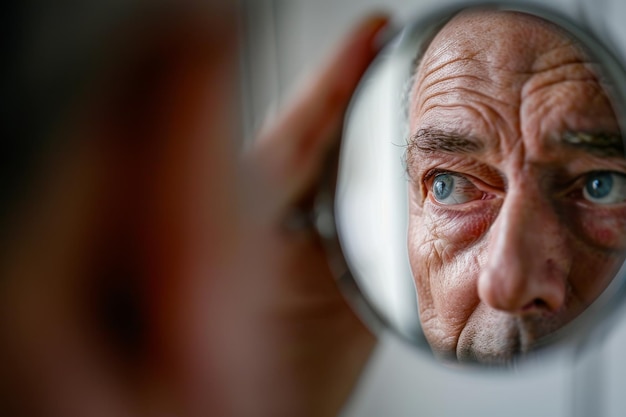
(528, 258)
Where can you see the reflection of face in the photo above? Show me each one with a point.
(517, 202)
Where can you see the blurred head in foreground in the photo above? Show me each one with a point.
(121, 127)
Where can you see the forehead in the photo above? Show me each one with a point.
(507, 74)
(509, 41)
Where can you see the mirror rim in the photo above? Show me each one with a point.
(581, 331)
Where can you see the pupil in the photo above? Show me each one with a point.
(442, 186)
(600, 185)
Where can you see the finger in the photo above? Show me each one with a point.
(291, 150)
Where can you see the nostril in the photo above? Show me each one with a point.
(536, 304)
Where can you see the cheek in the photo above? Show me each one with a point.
(459, 229)
(592, 271)
(446, 268)
(603, 229)
(598, 248)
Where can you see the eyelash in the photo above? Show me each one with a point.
(436, 171)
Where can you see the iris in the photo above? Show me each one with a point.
(443, 185)
(599, 185)
(605, 187)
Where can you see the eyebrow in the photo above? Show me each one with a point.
(432, 141)
(600, 144)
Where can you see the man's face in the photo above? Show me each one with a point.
(518, 185)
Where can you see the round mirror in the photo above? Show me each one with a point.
(480, 203)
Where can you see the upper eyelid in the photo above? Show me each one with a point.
(457, 175)
(472, 168)
(437, 171)
(581, 177)
(561, 189)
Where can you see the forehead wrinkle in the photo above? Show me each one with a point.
(590, 124)
(574, 61)
(568, 52)
(544, 50)
(431, 59)
(507, 42)
(562, 99)
(469, 93)
(481, 118)
(426, 88)
(474, 79)
(567, 72)
(501, 41)
(488, 99)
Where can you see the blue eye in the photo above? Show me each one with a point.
(443, 186)
(449, 188)
(605, 187)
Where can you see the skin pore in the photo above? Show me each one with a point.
(518, 185)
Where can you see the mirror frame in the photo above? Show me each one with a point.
(584, 330)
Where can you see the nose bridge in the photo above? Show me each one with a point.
(527, 261)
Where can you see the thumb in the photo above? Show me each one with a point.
(291, 150)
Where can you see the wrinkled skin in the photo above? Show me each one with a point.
(518, 248)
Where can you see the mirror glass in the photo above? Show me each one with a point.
(480, 204)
